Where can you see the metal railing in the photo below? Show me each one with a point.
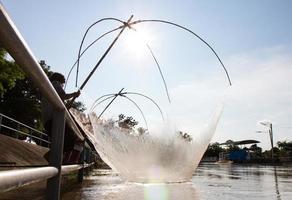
(13, 42)
(31, 131)
(12, 179)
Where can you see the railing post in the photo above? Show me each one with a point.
(49, 144)
(0, 122)
(81, 161)
(89, 159)
(30, 135)
(56, 154)
(40, 141)
(17, 134)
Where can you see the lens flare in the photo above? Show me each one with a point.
(155, 192)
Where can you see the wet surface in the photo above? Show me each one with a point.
(211, 181)
(243, 182)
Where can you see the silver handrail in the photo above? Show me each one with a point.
(13, 42)
(18, 122)
(66, 169)
(12, 179)
(23, 133)
(31, 132)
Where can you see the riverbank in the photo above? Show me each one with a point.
(282, 161)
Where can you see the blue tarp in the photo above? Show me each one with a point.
(239, 155)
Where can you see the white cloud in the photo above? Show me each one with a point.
(261, 90)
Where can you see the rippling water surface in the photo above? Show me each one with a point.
(210, 181)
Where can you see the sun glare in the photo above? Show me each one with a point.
(136, 43)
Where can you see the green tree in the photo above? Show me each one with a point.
(284, 145)
(127, 122)
(231, 146)
(19, 97)
(257, 151)
(255, 148)
(78, 105)
(21, 100)
(213, 150)
(285, 148)
(9, 73)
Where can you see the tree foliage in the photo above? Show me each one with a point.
(213, 150)
(19, 97)
(284, 145)
(231, 146)
(257, 151)
(78, 105)
(283, 150)
(127, 122)
(9, 73)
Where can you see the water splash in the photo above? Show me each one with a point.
(164, 157)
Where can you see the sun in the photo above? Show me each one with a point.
(136, 42)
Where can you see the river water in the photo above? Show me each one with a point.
(210, 181)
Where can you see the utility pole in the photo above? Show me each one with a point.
(270, 125)
(272, 140)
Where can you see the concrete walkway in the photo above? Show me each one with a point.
(16, 152)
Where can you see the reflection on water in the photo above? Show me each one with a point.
(276, 184)
(243, 182)
(211, 181)
(154, 192)
(112, 188)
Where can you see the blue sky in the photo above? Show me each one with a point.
(252, 37)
